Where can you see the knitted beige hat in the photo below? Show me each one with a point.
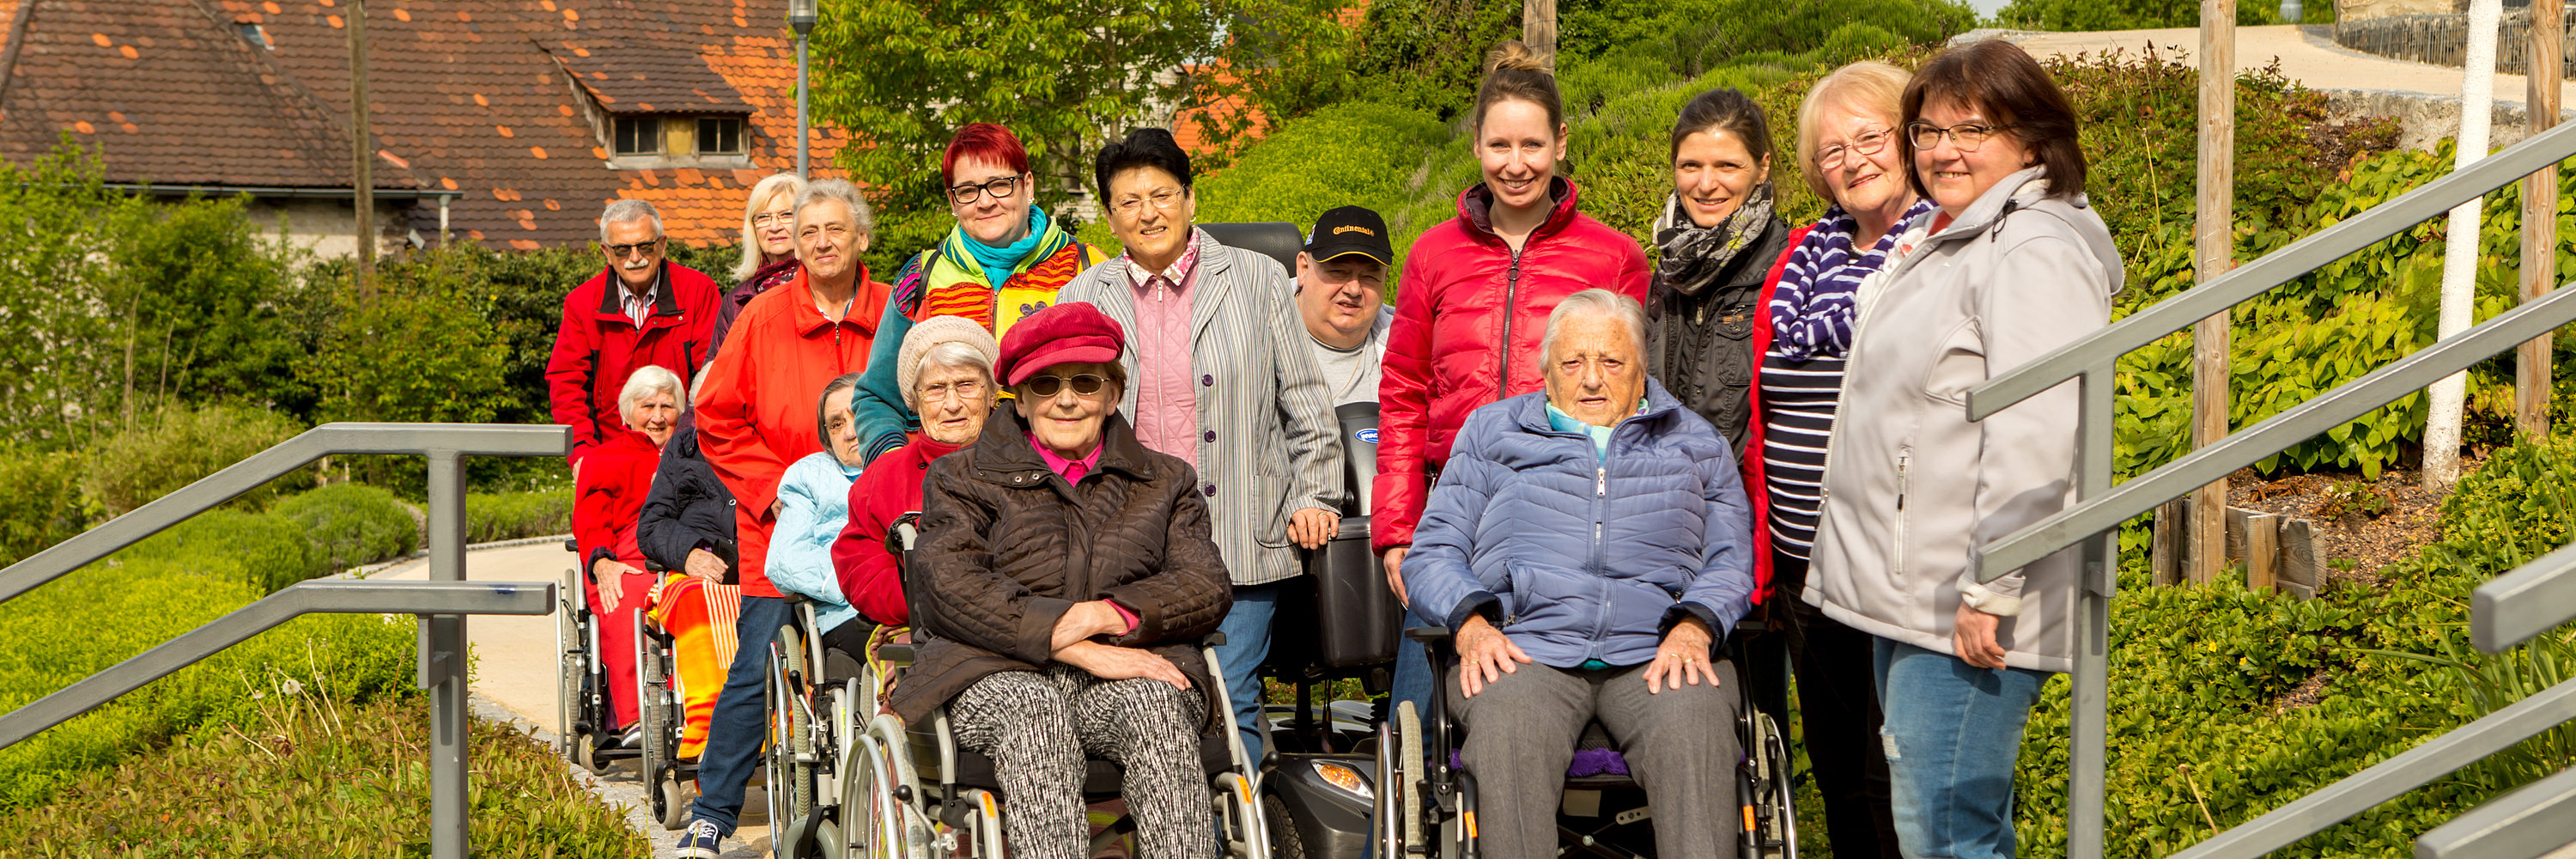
(931, 332)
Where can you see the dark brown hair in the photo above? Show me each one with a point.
(1997, 79)
(1725, 109)
(1513, 72)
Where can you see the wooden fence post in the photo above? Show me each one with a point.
(2539, 214)
(2213, 253)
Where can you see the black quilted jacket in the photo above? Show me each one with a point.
(688, 507)
(1007, 546)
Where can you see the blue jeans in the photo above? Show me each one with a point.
(740, 724)
(1952, 735)
(1412, 678)
(1247, 644)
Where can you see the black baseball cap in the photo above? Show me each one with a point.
(1350, 230)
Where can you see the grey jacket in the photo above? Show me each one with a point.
(1912, 487)
(1266, 427)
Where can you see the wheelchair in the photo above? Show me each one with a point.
(1428, 807)
(585, 720)
(819, 697)
(910, 791)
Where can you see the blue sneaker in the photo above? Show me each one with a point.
(701, 840)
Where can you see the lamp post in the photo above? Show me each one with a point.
(801, 15)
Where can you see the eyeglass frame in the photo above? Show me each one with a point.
(1915, 130)
(1134, 207)
(653, 245)
(765, 220)
(944, 391)
(1833, 156)
(1099, 383)
(1002, 188)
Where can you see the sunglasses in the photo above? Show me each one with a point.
(623, 251)
(1086, 385)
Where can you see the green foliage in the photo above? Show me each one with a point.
(311, 775)
(2079, 15)
(262, 550)
(348, 524)
(1356, 153)
(104, 613)
(175, 446)
(2207, 710)
(198, 291)
(1427, 54)
(496, 516)
(40, 500)
(904, 75)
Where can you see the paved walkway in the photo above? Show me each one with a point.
(514, 680)
(2307, 54)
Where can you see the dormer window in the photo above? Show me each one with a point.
(720, 135)
(253, 33)
(638, 136)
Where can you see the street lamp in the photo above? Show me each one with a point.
(801, 15)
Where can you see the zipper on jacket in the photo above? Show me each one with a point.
(1511, 289)
(1904, 484)
(1600, 559)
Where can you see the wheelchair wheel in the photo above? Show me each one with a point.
(569, 659)
(1408, 769)
(790, 786)
(585, 751)
(1773, 804)
(671, 801)
(1285, 842)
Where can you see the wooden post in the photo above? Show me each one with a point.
(2539, 214)
(2213, 253)
(2302, 572)
(2165, 556)
(362, 179)
(2262, 550)
(1538, 28)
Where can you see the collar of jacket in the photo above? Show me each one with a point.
(612, 292)
(771, 275)
(2019, 190)
(810, 320)
(1213, 260)
(930, 448)
(1003, 454)
(1530, 412)
(1477, 202)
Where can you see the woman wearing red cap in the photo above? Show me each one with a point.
(1065, 572)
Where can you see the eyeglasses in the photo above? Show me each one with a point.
(766, 220)
(1968, 135)
(1001, 189)
(968, 390)
(646, 247)
(1164, 200)
(1868, 143)
(1086, 385)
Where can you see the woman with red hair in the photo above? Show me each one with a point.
(1005, 260)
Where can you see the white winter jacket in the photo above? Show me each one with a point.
(1911, 486)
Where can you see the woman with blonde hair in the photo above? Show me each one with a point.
(768, 249)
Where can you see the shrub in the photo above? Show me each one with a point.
(495, 516)
(1359, 154)
(263, 550)
(173, 447)
(351, 524)
(40, 500)
(100, 615)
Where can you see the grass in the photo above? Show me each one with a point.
(313, 777)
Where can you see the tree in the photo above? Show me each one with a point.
(903, 75)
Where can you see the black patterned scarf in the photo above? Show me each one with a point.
(1693, 255)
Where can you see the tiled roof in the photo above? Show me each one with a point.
(168, 93)
(468, 95)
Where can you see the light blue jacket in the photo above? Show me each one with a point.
(813, 506)
(1577, 556)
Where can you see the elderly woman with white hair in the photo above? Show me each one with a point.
(945, 370)
(768, 248)
(1590, 544)
(608, 495)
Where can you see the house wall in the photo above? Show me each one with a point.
(329, 228)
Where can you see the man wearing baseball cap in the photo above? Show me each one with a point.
(1341, 295)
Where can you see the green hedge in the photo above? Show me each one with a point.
(495, 516)
(2200, 729)
(349, 524)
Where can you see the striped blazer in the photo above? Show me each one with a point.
(1267, 445)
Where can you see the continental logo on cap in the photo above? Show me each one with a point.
(1353, 228)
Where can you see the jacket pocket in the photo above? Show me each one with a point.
(1957, 364)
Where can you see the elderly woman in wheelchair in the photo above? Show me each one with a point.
(1065, 573)
(1589, 546)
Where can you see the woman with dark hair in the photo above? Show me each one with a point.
(1474, 299)
(2013, 263)
(1225, 381)
(1719, 239)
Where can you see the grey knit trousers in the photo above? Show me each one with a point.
(1037, 726)
(1680, 745)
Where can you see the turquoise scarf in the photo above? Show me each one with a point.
(999, 263)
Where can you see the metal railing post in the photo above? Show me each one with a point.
(442, 659)
(2088, 714)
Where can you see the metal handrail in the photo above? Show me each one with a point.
(2533, 599)
(441, 603)
(2092, 362)
(314, 597)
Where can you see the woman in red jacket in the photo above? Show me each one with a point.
(608, 498)
(1473, 299)
(945, 370)
(1472, 303)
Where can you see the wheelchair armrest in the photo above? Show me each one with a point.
(892, 652)
(572, 544)
(1428, 635)
(1213, 639)
(655, 567)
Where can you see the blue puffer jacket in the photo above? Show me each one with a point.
(813, 507)
(1578, 557)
